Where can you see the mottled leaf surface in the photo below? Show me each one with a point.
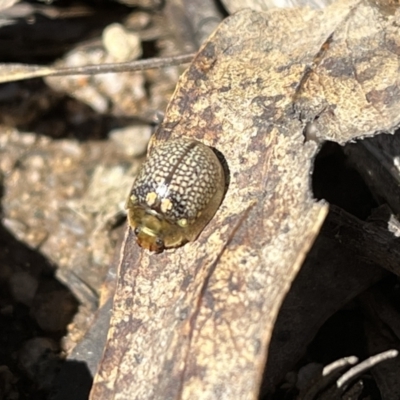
(352, 89)
(195, 322)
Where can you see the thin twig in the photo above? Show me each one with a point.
(329, 375)
(16, 72)
(338, 365)
(352, 373)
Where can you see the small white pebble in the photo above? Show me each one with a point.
(121, 44)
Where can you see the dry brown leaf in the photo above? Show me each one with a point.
(195, 322)
(352, 90)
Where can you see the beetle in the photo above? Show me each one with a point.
(176, 193)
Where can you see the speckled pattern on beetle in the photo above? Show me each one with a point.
(176, 193)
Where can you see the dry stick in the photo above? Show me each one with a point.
(331, 371)
(16, 72)
(352, 373)
(330, 374)
(338, 365)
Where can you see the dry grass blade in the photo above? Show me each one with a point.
(360, 368)
(323, 388)
(339, 365)
(16, 72)
(330, 374)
